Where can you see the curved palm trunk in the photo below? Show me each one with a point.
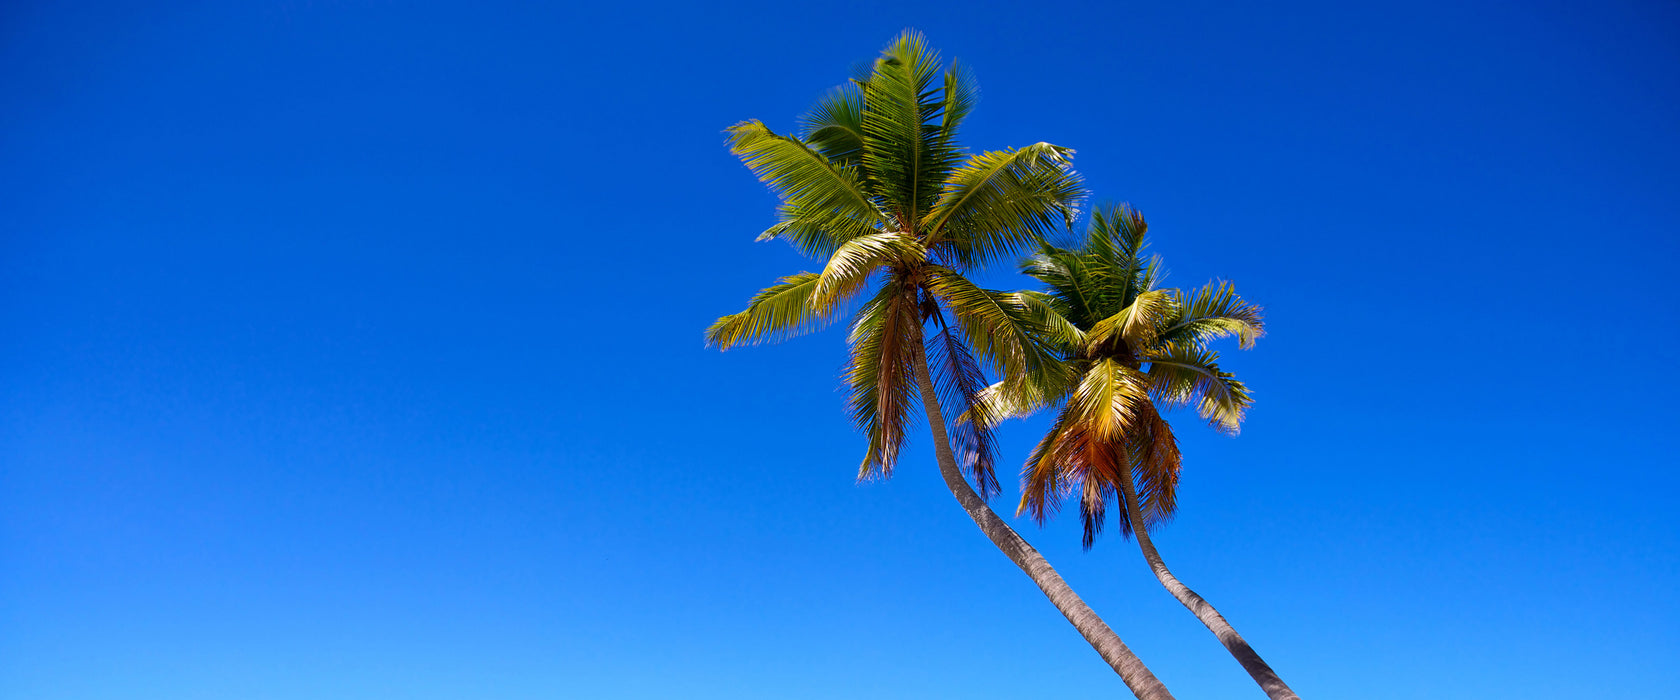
(1251, 662)
(1136, 676)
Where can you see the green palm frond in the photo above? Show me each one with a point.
(962, 93)
(999, 325)
(1213, 312)
(1136, 324)
(1181, 374)
(1000, 201)
(799, 174)
(1045, 312)
(834, 126)
(1070, 287)
(780, 311)
(900, 104)
(817, 233)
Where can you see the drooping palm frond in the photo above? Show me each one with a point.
(960, 381)
(998, 324)
(1181, 374)
(860, 257)
(780, 311)
(879, 372)
(798, 173)
(1155, 462)
(1050, 468)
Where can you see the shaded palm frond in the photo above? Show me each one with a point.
(1045, 312)
(1155, 462)
(998, 324)
(1044, 479)
(960, 383)
(883, 348)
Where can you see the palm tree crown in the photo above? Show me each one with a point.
(876, 185)
(1131, 348)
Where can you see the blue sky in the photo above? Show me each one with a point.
(353, 350)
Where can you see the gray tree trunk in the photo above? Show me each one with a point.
(1251, 662)
(1132, 671)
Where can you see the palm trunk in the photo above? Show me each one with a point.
(1251, 662)
(1136, 676)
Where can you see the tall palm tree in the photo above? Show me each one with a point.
(876, 185)
(1129, 345)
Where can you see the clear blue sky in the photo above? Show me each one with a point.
(353, 350)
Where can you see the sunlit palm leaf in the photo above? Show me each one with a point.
(857, 258)
(1213, 312)
(1104, 400)
(899, 102)
(799, 174)
(780, 311)
(1001, 201)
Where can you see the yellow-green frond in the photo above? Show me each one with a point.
(1105, 399)
(780, 311)
(1000, 201)
(1215, 311)
(1137, 324)
(1182, 374)
(799, 174)
(857, 258)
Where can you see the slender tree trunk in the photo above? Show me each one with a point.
(1136, 676)
(1251, 662)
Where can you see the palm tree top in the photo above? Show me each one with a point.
(1132, 349)
(876, 185)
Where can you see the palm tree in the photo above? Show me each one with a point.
(1128, 345)
(876, 185)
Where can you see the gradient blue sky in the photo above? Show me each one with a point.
(353, 350)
